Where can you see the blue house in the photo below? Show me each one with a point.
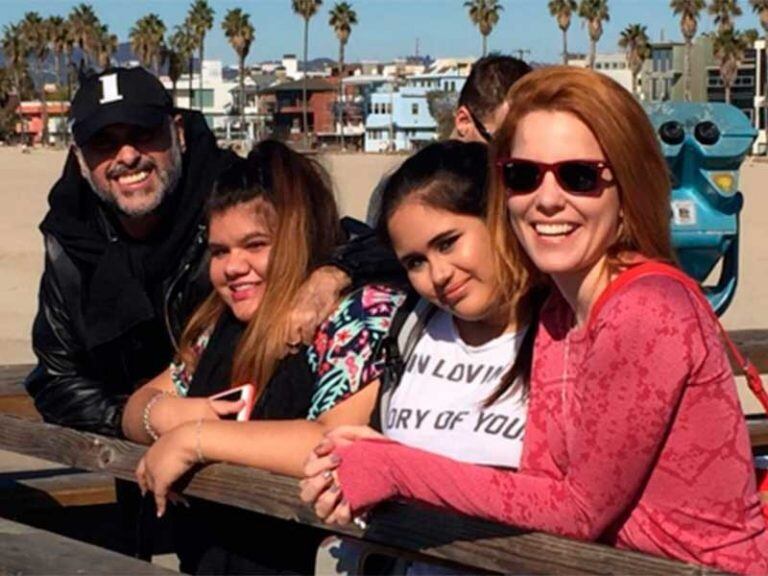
(398, 116)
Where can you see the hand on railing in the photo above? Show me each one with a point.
(167, 460)
(320, 486)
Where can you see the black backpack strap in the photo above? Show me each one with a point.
(406, 329)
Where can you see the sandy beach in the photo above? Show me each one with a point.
(27, 178)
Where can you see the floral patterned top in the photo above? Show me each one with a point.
(181, 376)
(343, 353)
(342, 356)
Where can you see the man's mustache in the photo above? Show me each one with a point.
(121, 169)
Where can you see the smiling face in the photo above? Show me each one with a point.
(240, 242)
(448, 258)
(133, 168)
(566, 235)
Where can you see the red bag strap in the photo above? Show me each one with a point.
(650, 268)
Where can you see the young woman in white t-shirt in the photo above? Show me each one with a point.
(462, 392)
(461, 389)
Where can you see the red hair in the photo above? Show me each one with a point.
(626, 136)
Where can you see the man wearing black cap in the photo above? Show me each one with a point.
(124, 241)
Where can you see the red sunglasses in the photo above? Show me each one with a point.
(579, 177)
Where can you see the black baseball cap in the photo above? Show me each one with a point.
(118, 96)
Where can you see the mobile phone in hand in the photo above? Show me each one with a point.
(246, 392)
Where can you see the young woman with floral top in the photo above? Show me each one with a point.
(272, 219)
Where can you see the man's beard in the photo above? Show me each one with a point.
(169, 179)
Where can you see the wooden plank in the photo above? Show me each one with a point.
(40, 489)
(18, 405)
(12, 378)
(758, 432)
(29, 551)
(433, 533)
(754, 345)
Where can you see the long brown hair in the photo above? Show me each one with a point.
(297, 191)
(629, 143)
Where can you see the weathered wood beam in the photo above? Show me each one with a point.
(26, 550)
(754, 345)
(436, 534)
(12, 378)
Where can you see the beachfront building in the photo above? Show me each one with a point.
(357, 92)
(399, 118)
(759, 102)
(662, 75)
(29, 128)
(282, 105)
(219, 99)
(613, 65)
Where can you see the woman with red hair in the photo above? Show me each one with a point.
(635, 435)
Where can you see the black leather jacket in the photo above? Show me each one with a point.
(84, 388)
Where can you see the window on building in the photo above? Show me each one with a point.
(202, 98)
(389, 108)
(662, 60)
(415, 109)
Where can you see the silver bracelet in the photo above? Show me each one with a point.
(151, 432)
(198, 441)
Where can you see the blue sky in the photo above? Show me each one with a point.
(387, 28)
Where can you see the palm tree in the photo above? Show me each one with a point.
(239, 31)
(635, 42)
(306, 9)
(35, 31)
(191, 44)
(16, 52)
(200, 18)
(594, 13)
(760, 7)
(342, 18)
(729, 48)
(562, 11)
(105, 46)
(724, 12)
(84, 26)
(485, 15)
(58, 33)
(179, 50)
(689, 11)
(147, 38)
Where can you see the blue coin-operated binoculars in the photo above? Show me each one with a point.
(704, 145)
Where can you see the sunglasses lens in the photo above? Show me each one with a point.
(521, 176)
(578, 177)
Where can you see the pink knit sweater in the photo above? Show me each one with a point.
(635, 438)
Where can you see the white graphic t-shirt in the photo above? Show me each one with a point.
(438, 405)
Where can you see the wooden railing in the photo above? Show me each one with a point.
(426, 533)
(433, 534)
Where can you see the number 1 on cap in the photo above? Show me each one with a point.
(109, 91)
